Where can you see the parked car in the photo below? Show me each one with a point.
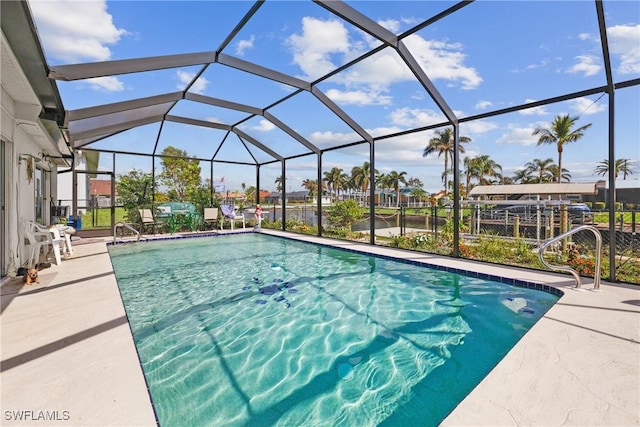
(579, 213)
(524, 212)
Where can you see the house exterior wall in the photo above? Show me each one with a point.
(17, 130)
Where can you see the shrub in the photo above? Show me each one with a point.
(402, 242)
(343, 214)
(599, 206)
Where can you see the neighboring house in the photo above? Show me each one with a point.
(627, 193)
(84, 161)
(100, 192)
(293, 196)
(32, 147)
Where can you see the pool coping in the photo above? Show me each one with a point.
(579, 365)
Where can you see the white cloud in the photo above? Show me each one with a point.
(264, 126)
(518, 136)
(358, 97)
(107, 84)
(483, 105)
(322, 46)
(534, 111)
(378, 72)
(586, 106)
(543, 63)
(76, 31)
(185, 77)
(413, 117)
(623, 42)
(330, 139)
(477, 127)
(319, 41)
(587, 65)
(243, 45)
(392, 25)
(441, 60)
(404, 151)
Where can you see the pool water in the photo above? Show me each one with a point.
(257, 330)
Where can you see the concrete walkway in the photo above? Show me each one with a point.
(67, 352)
(68, 357)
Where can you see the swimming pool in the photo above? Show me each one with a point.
(251, 329)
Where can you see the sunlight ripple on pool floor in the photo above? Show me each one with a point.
(256, 330)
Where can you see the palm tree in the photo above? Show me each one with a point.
(311, 186)
(332, 178)
(418, 194)
(395, 178)
(480, 168)
(279, 182)
(520, 176)
(341, 183)
(560, 133)
(360, 175)
(442, 143)
(250, 193)
(539, 171)
(566, 176)
(622, 166)
(382, 182)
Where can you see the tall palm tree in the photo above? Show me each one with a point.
(332, 178)
(341, 183)
(622, 166)
(279, 182)
(360, 175)
(382, 182)
(442, 143)
(560, 133)
(395, 178)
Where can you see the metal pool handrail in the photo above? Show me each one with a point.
(125, 225)
(596, 273)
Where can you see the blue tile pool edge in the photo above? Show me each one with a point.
(485, 276)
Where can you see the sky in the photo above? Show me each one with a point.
(487, 56)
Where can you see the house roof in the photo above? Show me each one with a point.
(100, 187)
(533, 189)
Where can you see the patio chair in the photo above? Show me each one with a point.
(147, 220)
(229, 214)
(41, 238)
(211, 216)
(66, 232)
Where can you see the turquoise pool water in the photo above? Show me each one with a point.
(253, 330)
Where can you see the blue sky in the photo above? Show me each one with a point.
(487, 56)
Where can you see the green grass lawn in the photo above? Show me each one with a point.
(603, 217)
(101, 218)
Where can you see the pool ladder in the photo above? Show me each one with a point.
(127, 226)
(596, 273)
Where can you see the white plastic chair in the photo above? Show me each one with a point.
(229, 213)
(42, 237)
(65, 233)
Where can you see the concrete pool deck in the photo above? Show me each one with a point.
(67, 352)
